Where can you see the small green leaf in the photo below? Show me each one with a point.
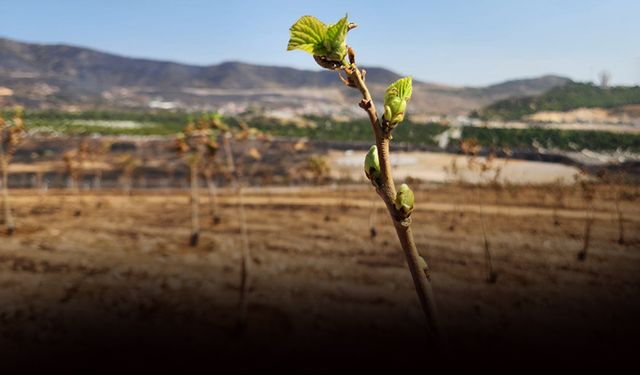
(401, 88)
(395, 100)
(335, 42)
(372, 164)
(404, 200)
(308, 34)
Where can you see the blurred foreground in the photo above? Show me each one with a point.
(91, 279)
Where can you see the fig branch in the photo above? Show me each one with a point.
(327, 44)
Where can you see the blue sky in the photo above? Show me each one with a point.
(455, 42)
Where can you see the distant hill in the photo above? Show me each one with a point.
(563, 98)
(62, 76)
(526, 87)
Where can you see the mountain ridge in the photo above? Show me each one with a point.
(49, 75)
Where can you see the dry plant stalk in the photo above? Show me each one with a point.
(11, 134)
(471, 148)
(588, 195)
(617, 183)
(453, 171)
(491, 274)
(328, 46)
(558, 192)
(99, 154)
(128, 163)
(208, 170)
(496, 184)
(234, 176)
(245, 263)
(619, 191)
(210, 163)
(195, 202)
(75, 163)
(194, 144)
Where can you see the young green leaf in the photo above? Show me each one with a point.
(372, 164)
(327, 44)
(401, 88)
(335, 42)
(404, 200)
(308, 34)
(395, 100)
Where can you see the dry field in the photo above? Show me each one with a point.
(119, 277)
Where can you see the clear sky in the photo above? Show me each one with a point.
(462, 42)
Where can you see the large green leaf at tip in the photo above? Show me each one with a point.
(308, 34)
(401, 89)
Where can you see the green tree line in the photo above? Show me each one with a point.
(322, 128)
(553, 138)
(571, 96)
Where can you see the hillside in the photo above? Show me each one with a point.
(62, 76)
(563, 98)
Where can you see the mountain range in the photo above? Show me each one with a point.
(63, 77)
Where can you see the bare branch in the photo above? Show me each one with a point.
(387, 191)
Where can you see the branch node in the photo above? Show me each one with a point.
(406, 222)
(365, 104)
(427, 273)
(347, 81)
(387, 128)
(352, 55)
(324, 62)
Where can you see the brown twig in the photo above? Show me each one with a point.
(195, 204)
(618, 195)
(8, 218)
(245, 263)
(491, 274)
(386, 190)
(588, 195)
(212, 192)
(10, 137)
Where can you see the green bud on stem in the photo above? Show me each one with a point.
(372, 164)
(395, 101)
(422, 263)
(404, 200)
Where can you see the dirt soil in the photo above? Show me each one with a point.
(92, 279)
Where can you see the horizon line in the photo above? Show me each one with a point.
(262, 64)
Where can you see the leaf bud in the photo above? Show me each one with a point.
(404, 200)
(372, 164)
